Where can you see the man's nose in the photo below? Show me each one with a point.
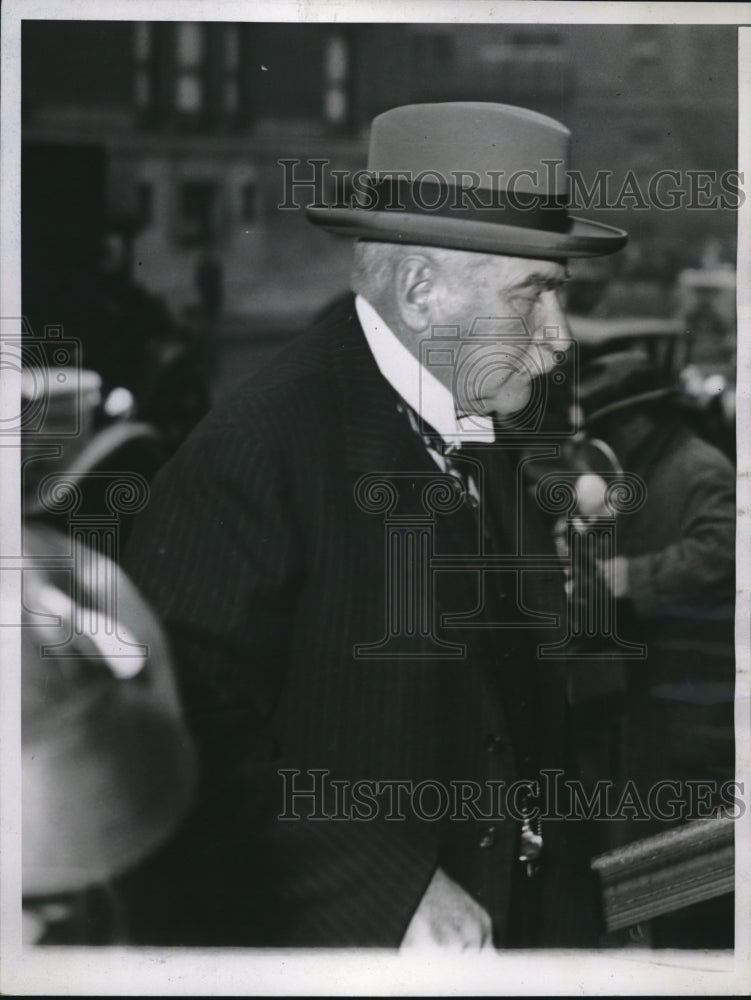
(552, 324)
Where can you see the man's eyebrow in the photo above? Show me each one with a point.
(546, 281)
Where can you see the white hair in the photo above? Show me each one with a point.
(373, 267)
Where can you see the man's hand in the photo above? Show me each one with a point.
(448, 916)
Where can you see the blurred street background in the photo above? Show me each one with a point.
(151, 175)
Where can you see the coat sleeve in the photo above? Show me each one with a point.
(696, 572)
(219, 554)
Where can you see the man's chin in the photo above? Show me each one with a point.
(473, 408)
(509, 402)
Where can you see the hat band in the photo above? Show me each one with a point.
(525, 210)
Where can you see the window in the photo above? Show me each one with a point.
(143, 80)
(189, 45)
(198, 212)
(645, 44)
(336, 79)
(142, 41)
(189, 56)
(188, 93)
(230, 85)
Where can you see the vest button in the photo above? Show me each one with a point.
(494, 744)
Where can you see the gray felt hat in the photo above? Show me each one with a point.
(469, 176)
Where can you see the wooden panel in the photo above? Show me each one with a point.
(667, 872)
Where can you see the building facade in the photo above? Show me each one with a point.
(192, 121)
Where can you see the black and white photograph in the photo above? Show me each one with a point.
(374, 403)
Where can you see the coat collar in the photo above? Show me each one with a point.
(417, 385)
(377, 437)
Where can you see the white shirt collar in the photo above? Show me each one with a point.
(417, 386)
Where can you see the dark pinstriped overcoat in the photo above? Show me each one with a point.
(268, 572)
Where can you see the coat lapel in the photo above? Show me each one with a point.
(373, 429)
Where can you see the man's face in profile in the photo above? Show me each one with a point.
(510, 324)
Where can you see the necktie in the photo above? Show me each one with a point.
(445, 456)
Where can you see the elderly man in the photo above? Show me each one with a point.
(363, 687)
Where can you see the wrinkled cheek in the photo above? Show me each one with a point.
(513, 395)
(494, 377)
(480, 374)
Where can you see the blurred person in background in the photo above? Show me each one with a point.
(674, 578)
(128, 335)
(675, 561)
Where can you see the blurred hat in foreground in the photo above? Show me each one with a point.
(108, 769)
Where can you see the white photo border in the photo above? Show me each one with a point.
(143, 971)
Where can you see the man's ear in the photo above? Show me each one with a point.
(414, 282)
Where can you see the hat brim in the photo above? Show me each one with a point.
(584, 238)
